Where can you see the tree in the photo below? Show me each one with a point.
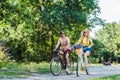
(29, 28)
(109, 36)
(70, 15)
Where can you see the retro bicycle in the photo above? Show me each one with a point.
(80, 60)
(81, 65)
(56, 65)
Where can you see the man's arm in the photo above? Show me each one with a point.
(58, 43)
(79, 41)
(68, 42)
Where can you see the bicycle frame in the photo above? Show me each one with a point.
(81, 65)
(80, 56)
(56, 62)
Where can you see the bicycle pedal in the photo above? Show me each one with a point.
(63, 66)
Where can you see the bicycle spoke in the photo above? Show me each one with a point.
(79, 67)
(70, 67)
(55, 67)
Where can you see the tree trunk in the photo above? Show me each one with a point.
(52, 43)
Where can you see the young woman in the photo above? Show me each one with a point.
(86, 41)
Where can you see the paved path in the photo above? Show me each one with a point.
(96, 71)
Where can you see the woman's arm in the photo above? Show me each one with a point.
(91, 43)
(80, 40)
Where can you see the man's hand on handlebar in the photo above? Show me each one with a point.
(54, 50)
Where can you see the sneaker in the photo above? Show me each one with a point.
(86, 67)
(81, 69)
(66, 70)
(63, 66)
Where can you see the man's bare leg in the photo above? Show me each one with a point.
(67, 61)
(61, 58)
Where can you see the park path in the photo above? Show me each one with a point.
(96, 71)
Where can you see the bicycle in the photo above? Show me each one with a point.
(56, 65)
(81, 65)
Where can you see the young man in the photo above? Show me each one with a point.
(64, 43)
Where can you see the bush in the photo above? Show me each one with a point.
(106, 56)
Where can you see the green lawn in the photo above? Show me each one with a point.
(114, 77)
(22, 70)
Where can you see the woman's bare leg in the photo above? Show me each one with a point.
(86, 59)
(81, 57)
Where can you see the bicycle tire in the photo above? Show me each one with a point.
(78, 67)
(55, 66)
(70, 66)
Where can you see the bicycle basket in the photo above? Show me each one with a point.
(77, 46)
(55, 53)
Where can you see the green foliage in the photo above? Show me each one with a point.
(97, 46)
(19, 32)
(97, 49)
(22, 70)
(29, 28)
(1, 55)
(109, 36)
(106, 56)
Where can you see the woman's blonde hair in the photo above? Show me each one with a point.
(82, 35)
(85, 30)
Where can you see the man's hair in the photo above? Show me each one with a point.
(62, 31)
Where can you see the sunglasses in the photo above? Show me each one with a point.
(85, 32)
(62, 33)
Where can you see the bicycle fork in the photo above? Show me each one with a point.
(81, 59)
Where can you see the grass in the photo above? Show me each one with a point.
(114, 77)
(22, 70)
(12, 74)
(42, 67)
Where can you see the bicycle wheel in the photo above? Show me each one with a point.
(55, 66)
(79, 66)
(70, 67)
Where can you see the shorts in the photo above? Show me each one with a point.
(67, 51)
(86, 48)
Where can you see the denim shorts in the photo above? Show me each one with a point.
(86, 48)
